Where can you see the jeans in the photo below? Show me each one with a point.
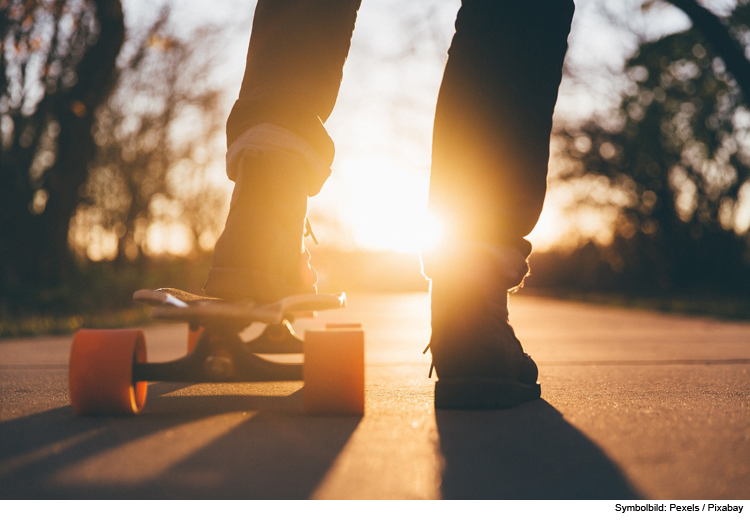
(494, 111)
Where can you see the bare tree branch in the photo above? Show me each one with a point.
(717, 34)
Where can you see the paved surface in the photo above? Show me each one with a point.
(635, 405)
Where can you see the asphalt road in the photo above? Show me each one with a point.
(634, 405)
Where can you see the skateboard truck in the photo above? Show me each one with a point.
(223, 356)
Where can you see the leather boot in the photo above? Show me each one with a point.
(477, 357)
(261, 256)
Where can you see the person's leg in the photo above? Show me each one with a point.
(488, 181)
(278, 150)
(494, 117)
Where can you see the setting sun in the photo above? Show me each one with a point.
(379, 205)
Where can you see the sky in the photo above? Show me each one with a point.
(376, 196)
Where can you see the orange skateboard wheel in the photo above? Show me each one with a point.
(193, 337)
(334, 370)
(100, 373)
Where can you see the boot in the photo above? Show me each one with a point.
(477, 357)
(261, 256)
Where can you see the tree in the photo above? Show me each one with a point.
(675, 162)
(57, 66)
(157, 136)
(103, 139)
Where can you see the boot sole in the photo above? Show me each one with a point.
(483, 393)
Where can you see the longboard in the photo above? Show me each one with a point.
(109, 370)
(178, 305)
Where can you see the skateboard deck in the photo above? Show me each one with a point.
(177, 305)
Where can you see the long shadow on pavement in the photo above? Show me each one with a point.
(529, 452)
(276, 452)
(270, 456)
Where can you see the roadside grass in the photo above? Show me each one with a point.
(98, 295)
(719, 307)
(31, 325)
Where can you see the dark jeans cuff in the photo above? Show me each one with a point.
(249, 112)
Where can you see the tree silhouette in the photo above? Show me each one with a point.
(57, 66)
(674, 159)
(157, 136)
(102, 137)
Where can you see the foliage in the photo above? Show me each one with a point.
(156, 136)
(104, 139)
(57, 66)
(672, 165)
(98, 295)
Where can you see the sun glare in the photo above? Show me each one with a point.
(432, 231)
(380, 205)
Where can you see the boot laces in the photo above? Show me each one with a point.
(432, 363)
(309, 231)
